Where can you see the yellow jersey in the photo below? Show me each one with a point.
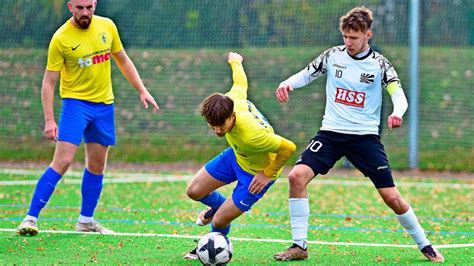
(83, 57)
(252, 138)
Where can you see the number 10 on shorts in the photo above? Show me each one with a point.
(314, 146)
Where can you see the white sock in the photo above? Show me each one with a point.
(85, 219)
(409, 221)
(299, 213)
(29, 217)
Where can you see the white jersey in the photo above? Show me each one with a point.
(353, 88)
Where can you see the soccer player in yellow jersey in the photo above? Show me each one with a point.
(79, 54)
(254, 159)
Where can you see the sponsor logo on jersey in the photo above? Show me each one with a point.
(367, 78)
(96, 59)
(75, 47)
(349, 97)
(339, 66)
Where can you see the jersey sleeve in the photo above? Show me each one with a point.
(240, 84)
(389, 75)
(314, 70)
(263, 141)
(284, 152)
(116, 42)
(55, 57)
(391, 83)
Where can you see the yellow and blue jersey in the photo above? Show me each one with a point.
(83, 58)
(252, 138)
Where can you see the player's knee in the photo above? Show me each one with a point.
(193, 193)
(396, 203)
(61, 164)
(96, 167)
(296, 180)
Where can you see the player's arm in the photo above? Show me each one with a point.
(130, 72)
(239, 78)
(391, 82)
(283, 154)
(400, 104)
(314, 70)
(47, 100)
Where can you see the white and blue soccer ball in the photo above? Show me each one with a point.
(214, 249)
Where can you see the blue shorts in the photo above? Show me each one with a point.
(365, 152)
(224, 168)
(93, 121)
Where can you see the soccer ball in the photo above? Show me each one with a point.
(214, 249)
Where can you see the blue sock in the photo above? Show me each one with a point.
(213, 200)
(91, 189)
(43, 191)
(224, 230)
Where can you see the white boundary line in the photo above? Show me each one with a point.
(253, 239)
(154, 178)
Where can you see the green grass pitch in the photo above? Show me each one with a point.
(349, 223)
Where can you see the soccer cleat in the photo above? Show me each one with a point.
(92, 227)
(432, 254)
(294, 252)
(27, 227)
(205, 217)
(191, 255)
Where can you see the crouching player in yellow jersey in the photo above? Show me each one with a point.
(254, 159)
(80, 53)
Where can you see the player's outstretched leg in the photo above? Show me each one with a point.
(407, 218)
(410, 222)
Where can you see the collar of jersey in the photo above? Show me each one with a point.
(361, 58)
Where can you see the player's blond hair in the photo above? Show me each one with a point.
(217, 108)
(357, 19)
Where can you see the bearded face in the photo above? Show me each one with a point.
(82, 12)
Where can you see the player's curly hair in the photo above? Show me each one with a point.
(357, 19)
(217, 108)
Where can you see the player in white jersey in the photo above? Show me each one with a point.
(356, 76)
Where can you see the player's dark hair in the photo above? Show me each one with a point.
(357, 19)
(217, 108)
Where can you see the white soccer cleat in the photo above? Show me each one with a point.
(93, 227)
(27, 227)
